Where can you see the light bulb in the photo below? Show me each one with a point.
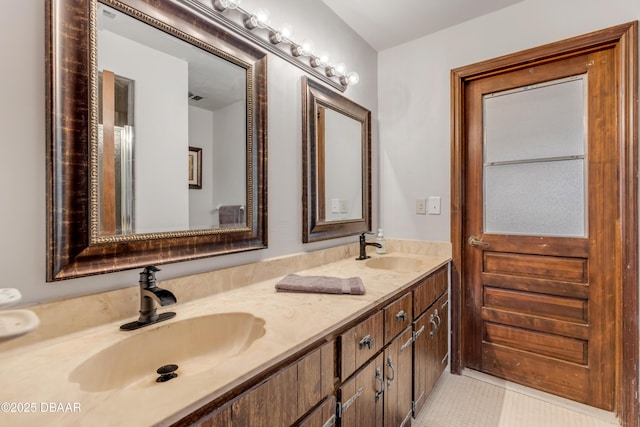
(307, 47)
(287, 31)
(353, 77)
(350, 78)
(263, 18)
(340, 69)
(324, 58)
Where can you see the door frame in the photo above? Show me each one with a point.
(624, 40)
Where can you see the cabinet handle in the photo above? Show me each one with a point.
(367, 340)
(417, 333)
(434, 329)
(401, 316)
(438, 319)
(408, 343)
(379, 378)
(393, 372)
(351, 400)
(330, 422)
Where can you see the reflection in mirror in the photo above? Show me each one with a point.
(336, 163)
(157, 96)
(115, 153)
(136, 87)
(339, 165)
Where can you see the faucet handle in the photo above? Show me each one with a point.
(151, 269)
(148, 275)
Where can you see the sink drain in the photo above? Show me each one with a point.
(166, 372)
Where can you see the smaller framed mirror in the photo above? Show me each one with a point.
(336, 159)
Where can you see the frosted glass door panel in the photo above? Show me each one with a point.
(540, 121)
(545, 198)
(534, 160)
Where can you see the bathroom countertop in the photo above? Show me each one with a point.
(37, 390)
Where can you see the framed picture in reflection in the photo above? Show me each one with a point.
(195, 168)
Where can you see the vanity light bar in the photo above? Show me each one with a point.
(335, 75)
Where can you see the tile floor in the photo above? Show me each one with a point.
(478, 400)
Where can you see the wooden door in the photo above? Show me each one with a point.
(539, 306)
(616, 125)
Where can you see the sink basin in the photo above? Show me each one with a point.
(195, 345)
(395, 263)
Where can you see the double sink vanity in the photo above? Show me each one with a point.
(246, 355)
(237, 352)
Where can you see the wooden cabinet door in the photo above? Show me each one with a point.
(272, 404)
(425, 357)
(316, 377)
(398, 380)
(362, 396)
(221, 419)
(323, 416)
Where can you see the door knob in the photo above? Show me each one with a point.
(474, 241)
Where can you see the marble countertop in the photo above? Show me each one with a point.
(37, 389)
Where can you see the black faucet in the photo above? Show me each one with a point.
(149, 295)
(363, 246)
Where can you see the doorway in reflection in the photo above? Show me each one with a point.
(116, 154)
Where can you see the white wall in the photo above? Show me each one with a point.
(22, 150)
(201, 205)
(414, 97)
(229, 156)
(343, 164)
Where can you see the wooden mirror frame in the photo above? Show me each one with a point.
(70, 53)
(313, 229)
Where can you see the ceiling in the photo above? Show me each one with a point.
(229, 82)
(384, 24)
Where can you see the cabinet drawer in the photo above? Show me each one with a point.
(397, 316)
(360, 343)
(429, 290)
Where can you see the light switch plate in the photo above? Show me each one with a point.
(335, 205)
(433, 205)
(344, 206)
(421, 206)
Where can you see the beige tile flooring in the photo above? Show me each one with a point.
(477, 400)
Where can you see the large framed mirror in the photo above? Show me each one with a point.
(336, 162)
(156, 137)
